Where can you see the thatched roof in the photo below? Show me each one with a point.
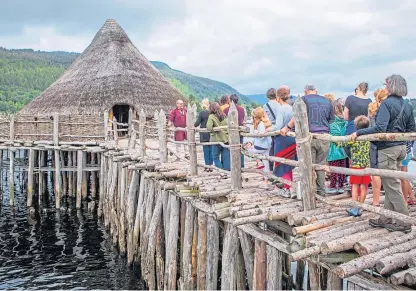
(110, 71)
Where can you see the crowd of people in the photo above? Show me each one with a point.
(355, 116)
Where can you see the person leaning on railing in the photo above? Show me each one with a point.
(320, 115)
(220, 154)
(395, 115)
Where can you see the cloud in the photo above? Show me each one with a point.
(251, 45)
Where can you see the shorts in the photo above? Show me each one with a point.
(366, 180)
(406, 160)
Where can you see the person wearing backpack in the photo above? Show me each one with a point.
(395, 115)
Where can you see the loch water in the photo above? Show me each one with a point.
(50, 249)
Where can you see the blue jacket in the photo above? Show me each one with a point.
(337, 128)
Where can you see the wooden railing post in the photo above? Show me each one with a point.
(11, 165)
(130, 123)
(106, 125)
(235, 147)
(58, 178)
(190, 121)
(303, 149)
(115, 131)
(163, 146)
(142, 132)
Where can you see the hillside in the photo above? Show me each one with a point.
(24, 74)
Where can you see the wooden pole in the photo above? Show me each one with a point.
(106, 125)
(163, 145)
(41, 185)
(63, 174)
(30, 178)
(187, 279)
(93, 177)
(58, 181)
(132, 208)
(213, 236)
(142, 133)
(190, 121)
(122, 211)
(229, 258)
(130, 123)
(70, 176)
(11, 164)
(247, 247)
(259, 276)
(171, 249)
(274, 268)
(84, 186)
(80, 164)
(235, 148)
(202, 251)
(115, 131)
(303, 148)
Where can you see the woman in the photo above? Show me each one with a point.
(220, 154)
(380, 95)
(356, 105)
(224, 102)
(204, 136)
(261, 145)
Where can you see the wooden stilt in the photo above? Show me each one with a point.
(122, 211)
(187, 280)
(80, 164)
(11, 177)
(63, 175)
(132, 208)
(58, 180)
(93, 177)
(41, 184)
(202, 251)
(259, 276)
(247, 247)
(213, 236)
(229, 258)
(171, 248)
(84, 184)
(274, 268)
(133, 242)
(30, 177)
(70, 176)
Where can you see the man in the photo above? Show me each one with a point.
(394, 115)
(177, 118)
(320, 115)
(241, 116)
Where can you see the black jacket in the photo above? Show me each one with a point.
(202, 122)
(386, 121)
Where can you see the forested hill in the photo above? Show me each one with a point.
(24, 74)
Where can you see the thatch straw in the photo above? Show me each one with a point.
(110, 71)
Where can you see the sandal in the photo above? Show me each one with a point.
(411, 202)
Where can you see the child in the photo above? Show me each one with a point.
(261, 145)
(336, 155)
(407, 189)
(360, 159)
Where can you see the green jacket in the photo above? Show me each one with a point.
(337, 128)
(217, 136)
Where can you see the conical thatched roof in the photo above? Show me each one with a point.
(110, 71)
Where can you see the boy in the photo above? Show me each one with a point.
(360, 159)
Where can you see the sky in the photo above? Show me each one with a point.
(252, 45)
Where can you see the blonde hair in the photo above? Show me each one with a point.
(259, 115)
(330, 96)
(380, 95)
(205, 103)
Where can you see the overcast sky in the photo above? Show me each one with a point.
(251, 45)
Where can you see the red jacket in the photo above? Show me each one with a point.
(178, 119)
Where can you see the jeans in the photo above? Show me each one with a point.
(242, 156)
(390, 159)
(221, 157)
(208, 154)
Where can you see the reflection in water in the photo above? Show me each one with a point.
(58, 250)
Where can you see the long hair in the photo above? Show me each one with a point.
(259, 115)
(338, 108)
(363, 86)
(214, 108)
(225, 99)
(379, 95)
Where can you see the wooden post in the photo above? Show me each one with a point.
(11, 165)
(41, 186)
(122, 211)
(274, 269)
(115, 131)
(80, 163)
(129, 122)
(333, 282)
(247, 247)
(235, 147)
(163, 145)
(30, 178)
(213, 248)
(132, 137)
(58, 181)
(229, 258)
(142, 133)
(171, 248)
(84, 186)
(63, 174)
(132, 209)
(70, 176)
(303, 148)
(259, 276)
(190, 121)
(93, 177)
(201, 251)
(187, 280)
(106, 125)
(103, 181)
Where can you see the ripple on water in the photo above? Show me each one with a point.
(58, 250)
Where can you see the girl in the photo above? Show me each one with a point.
(261, 145)
(220, 154)
(201, 121)
(336, 155)
(379, 95)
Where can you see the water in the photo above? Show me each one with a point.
(58, 250)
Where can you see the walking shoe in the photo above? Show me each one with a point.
(398, 226)
(355, 211)
(285, 193)
(378, 222)
(331, 191)
(341, 190)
